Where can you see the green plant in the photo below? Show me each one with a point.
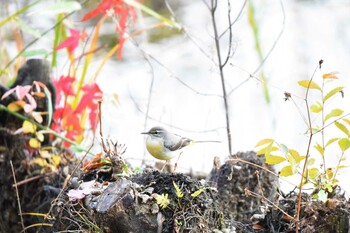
(321, 117)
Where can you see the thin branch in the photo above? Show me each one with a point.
(17, 195)
(44, 128)
(171, 125)
(230, 34)
(221, 67)
(256, 195)
(36, 39)
(234, 21)
(307, 151)
(268, 53)
(181, 81)
(69, 179)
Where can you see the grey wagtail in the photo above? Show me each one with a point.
(164, 145)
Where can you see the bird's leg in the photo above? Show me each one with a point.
(175, 166)
(166, 162)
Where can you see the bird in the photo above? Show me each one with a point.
(164, 145)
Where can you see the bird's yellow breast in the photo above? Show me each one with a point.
(157, 150)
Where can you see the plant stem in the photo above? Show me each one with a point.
(46, 129)
(221, 68)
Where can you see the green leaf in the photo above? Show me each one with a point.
(331, 93)
(19, 12)
(310, 162)
(342, 128)
(334, 113)
(57, 8)
(330, 141)
(316, 108)
(178, 190)
(309, 84)
(344, 144)
(199, 191)
(36, 52)
(313, 173)
(286, 171)
(28, 29)
(319, 148)
(152, 13)
(272, 159)
(162, 200)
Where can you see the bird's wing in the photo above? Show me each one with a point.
(180, 142)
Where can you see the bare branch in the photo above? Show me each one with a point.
(220, 64)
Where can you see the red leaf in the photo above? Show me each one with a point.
(100, 9)
(92, 94)
(119, 9)
(72, 42)
(64, 87)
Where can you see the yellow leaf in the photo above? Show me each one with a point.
(329, 173)
(262, 151)
(264, 141)
(28, 127)
(344, 144)
(40, 136)
(330, 76)
(199, 191)
(286, 171)
(295, 154)
(310, 162)
(178, 190)
(330, 141)
(16, 105)
(334, 113)
(41, 162)
(347, 121)
(313, 173)
(272, 159)
(316, 108)
(162, 200)
(342, 128)
(332, 93)
(319, 148)
(34, 143)
(309, 84)
(56, 160)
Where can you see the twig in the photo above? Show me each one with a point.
(267, 55)
(171, 125)
(253, 194)
(46, 129)
(36, 39)
(234, 21)
(262, 168)
(307, 150)
(17, 195)
(31, 179)
(69, 179)
(221, 69)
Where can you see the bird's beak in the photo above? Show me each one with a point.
(145, 133)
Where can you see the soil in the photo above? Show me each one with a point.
(237, 197)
